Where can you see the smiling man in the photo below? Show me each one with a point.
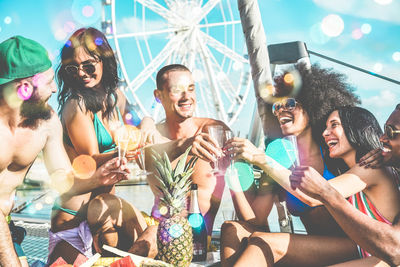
(28, 126)
(176, 92)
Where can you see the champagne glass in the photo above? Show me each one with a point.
(141, 156)
(229, 135)
(122, 141)
(290, 145)
(217, 132)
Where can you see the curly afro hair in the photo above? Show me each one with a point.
(322, 91)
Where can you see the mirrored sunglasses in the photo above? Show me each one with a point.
(390, 132)
(288, 104)
(88, 67)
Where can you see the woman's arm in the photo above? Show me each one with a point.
(80, 129)
(346, 184)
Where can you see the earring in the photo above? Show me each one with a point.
(158, 100)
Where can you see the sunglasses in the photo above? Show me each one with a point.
(390, 132)
(89, 67)
(288, 104)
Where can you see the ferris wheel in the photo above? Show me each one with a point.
(206, 36)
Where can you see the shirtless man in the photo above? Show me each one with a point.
(27, 126)
(380, 239)
(176, 91)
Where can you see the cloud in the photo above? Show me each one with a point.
(384, 99)
(364, 9)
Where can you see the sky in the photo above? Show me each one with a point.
(365, 33)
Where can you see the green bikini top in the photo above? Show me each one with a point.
(104, 139)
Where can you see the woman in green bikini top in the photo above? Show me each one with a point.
(89, 105)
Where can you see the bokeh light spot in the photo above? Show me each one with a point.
(38, 206)
(60, 34)
(132, 118)
(356, 34)
(68, 43)
(49, 200)
(332, 25)
(128, 116)
(396, 56)
(366, 28)
(69, 26)
(7, 20)
(288, 78)
(11, 97)
(61, 180)
(282, 151)
(195, 220)
(98, 41)
(239, 177)
(25, 92)
(84, 166)
(266, 92)
(163, 210)
(378, 67)
(87, 11)
(175, 230)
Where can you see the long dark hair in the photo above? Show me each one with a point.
(95, 44)
(361, 129)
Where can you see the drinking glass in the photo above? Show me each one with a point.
(140, 152)
(229, 135)
(217, 132)
(290, 145)
(122, 141)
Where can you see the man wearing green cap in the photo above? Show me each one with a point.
(28, 125)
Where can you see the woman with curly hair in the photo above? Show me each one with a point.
(91, 109)
(322, 91)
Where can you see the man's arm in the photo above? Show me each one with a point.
(8, 257)
(59, 166)
(378, 238)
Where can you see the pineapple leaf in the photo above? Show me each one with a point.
(191, 163)
(181, 163)
(167, 162)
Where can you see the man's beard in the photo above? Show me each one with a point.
(33, 110)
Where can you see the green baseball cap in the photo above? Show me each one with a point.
(20, 58)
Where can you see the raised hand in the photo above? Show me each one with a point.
(150, 134)
(206, 148)
(112, 172)
(309, 181)
(241, 148)
(372, 159)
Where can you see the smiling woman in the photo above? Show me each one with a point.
(92, 111)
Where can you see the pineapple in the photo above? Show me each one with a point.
(174, 234)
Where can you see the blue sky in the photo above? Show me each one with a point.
(50, 22)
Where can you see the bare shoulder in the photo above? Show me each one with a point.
(52, 125)
(72, 108)
(373, 176)
(121, 96)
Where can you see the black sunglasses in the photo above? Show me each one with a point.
(88, 67)
(390, 132)
(288, 104)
